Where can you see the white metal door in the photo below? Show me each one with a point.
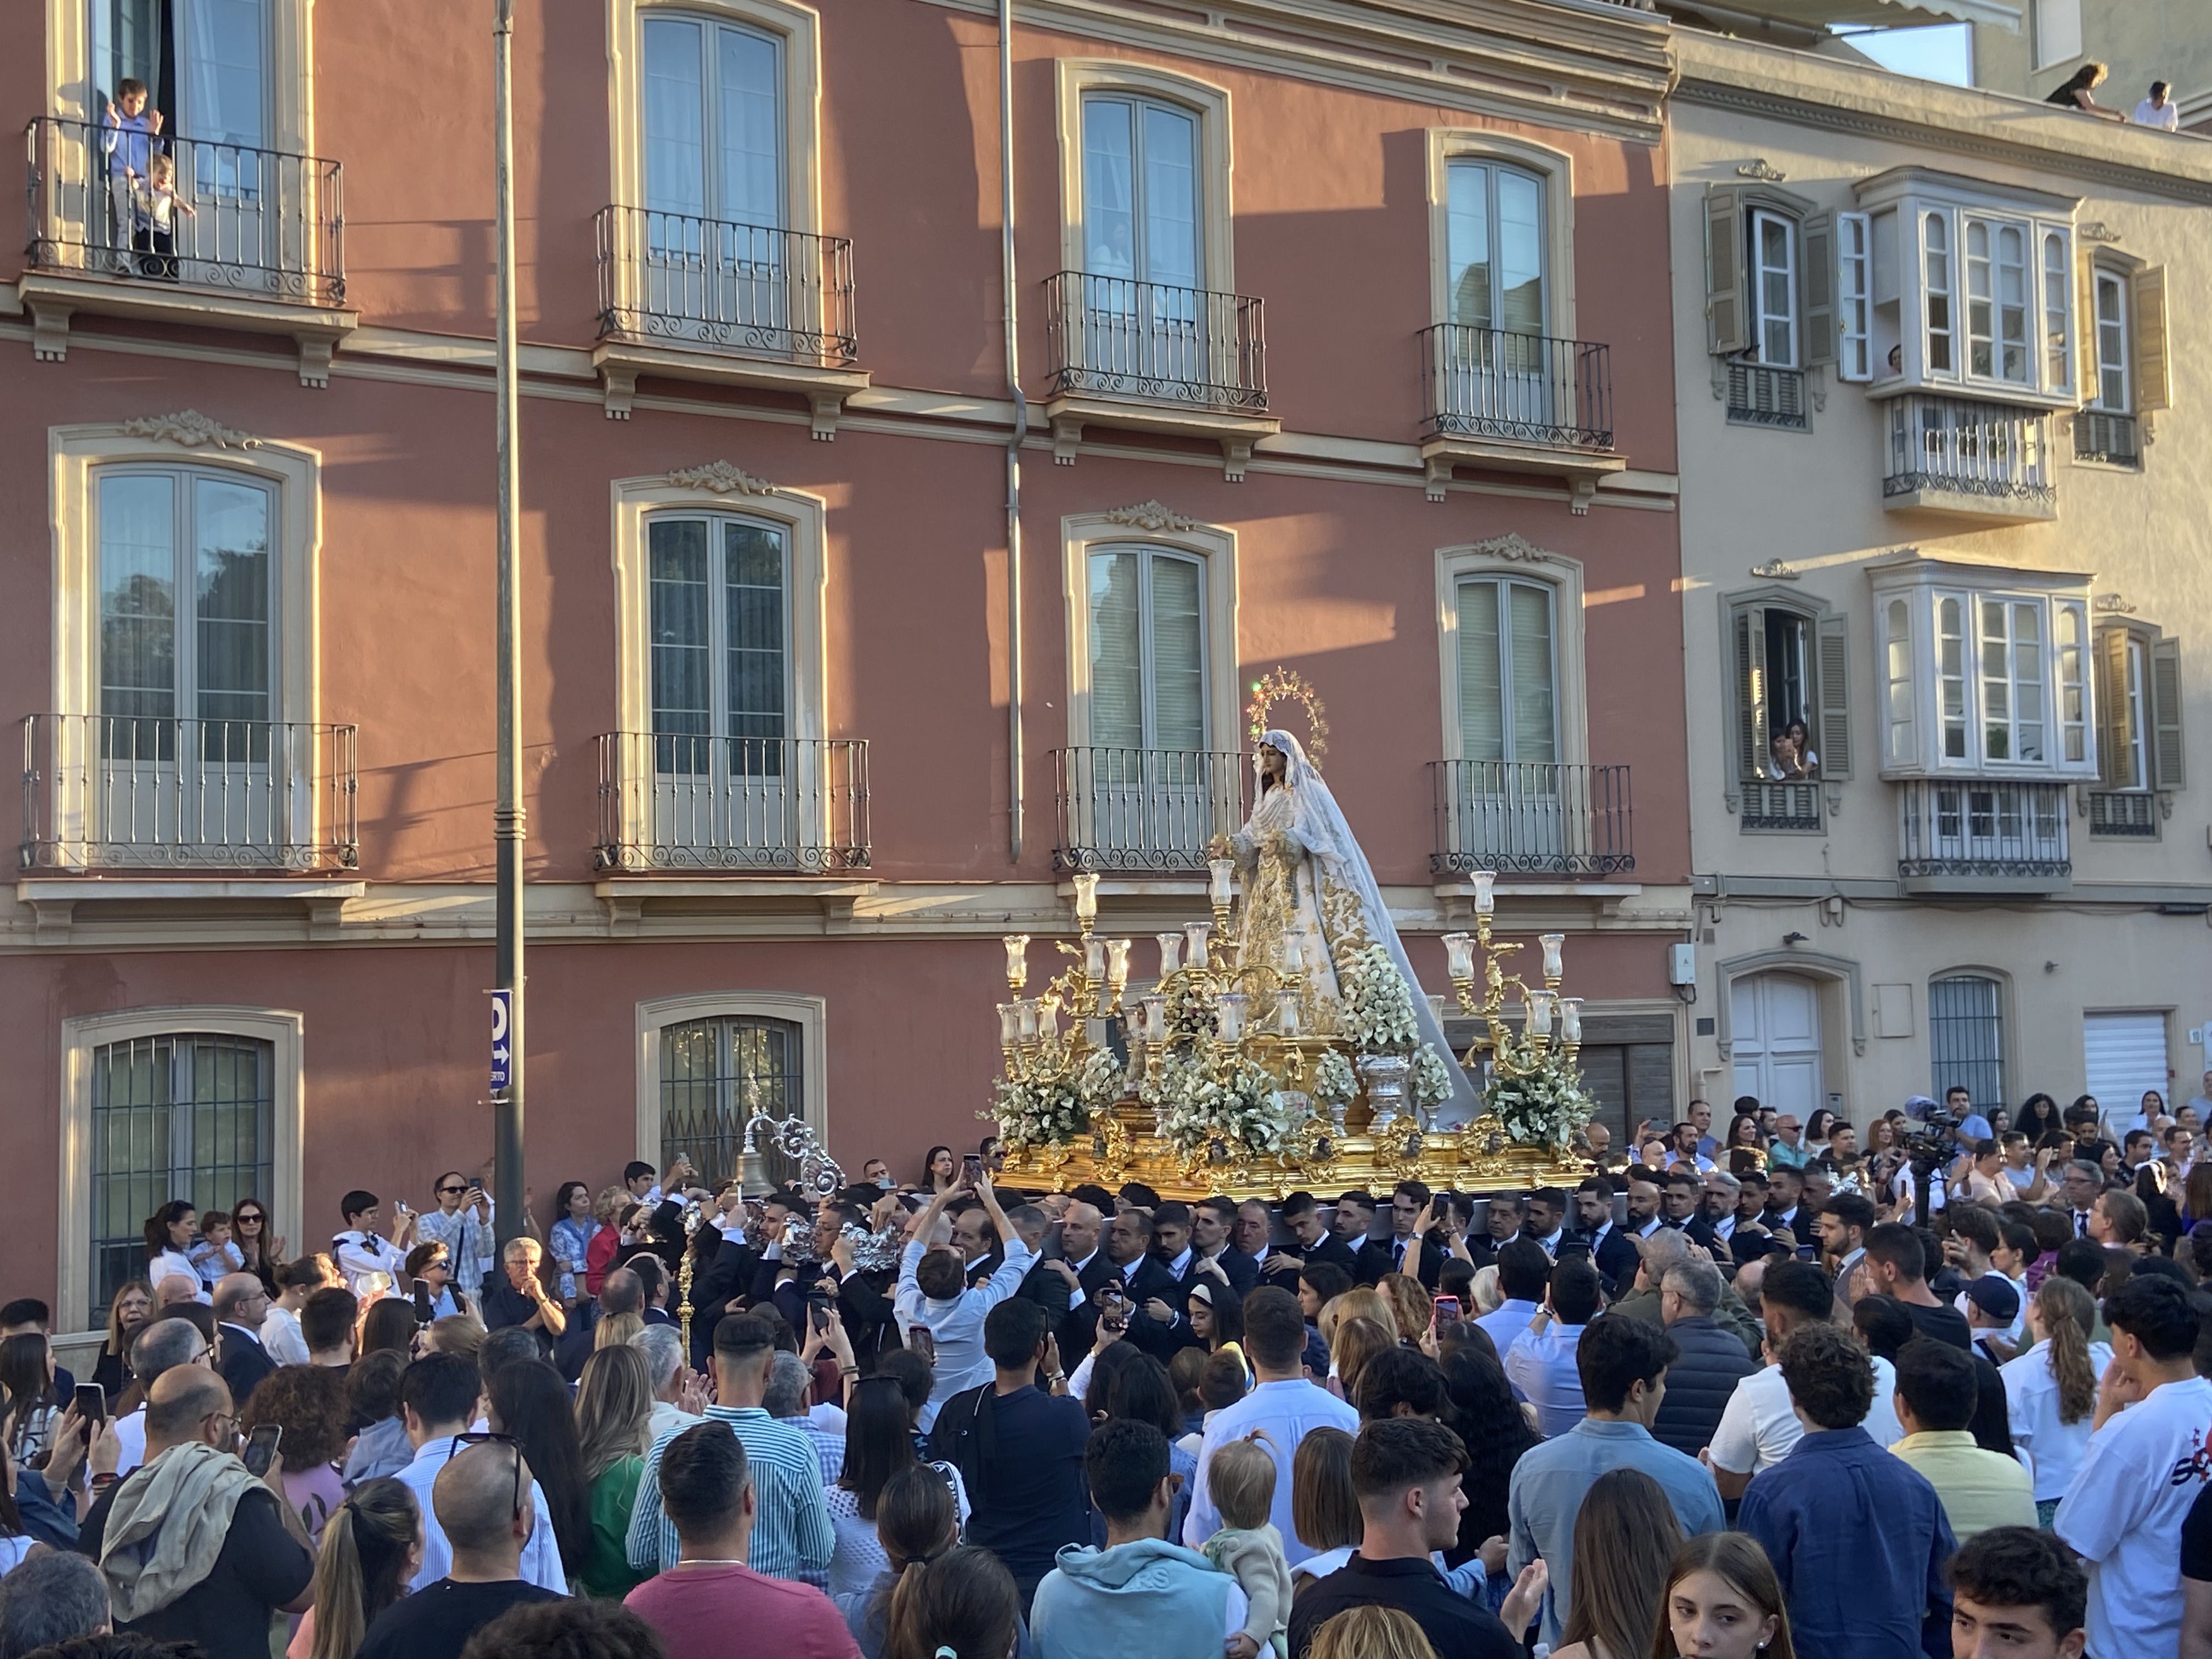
(1775, 1027)
(2122, 1056)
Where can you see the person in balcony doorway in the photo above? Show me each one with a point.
(1790, 754)
(155, 208)
(129, 141)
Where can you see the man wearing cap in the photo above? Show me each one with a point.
(1992, 1310)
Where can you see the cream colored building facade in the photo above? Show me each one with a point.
(1946, 490)
(2139, 40)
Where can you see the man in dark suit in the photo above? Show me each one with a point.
(1148, 1291)
(1083, 1266)
(1785, 1184)
(1680, 1200)
(1502, 1216)
(1611, 1249)
(241, 1302)
(1252, 1238)
(1311, 1239)
(1408, 1199)
(1212, 1235)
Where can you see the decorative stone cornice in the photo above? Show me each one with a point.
(2096, 230)
(2111, 604)
(1512, 546)
(1763, 170)
(1152, 516)
(1775, 571)
(190, 430)
(722, 478)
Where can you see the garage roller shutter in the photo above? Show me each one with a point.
(2122, 1056)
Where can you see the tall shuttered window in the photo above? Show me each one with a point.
(1147, 649)
(720, 628)
(1140, 192)
(715, 1074)
(1508, 672)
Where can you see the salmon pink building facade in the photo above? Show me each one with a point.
(1343, 345)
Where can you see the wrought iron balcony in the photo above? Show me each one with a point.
(1761, 395)
(2101, 435)
(1981, 835)
(669, 801)
(2125, 813)
(246, 220)
(1114, 338)
(104, 791)
(1772, 806)
(717, 284)
(1525, 817)
(1955, 455)
(1144, 810)
(1523, 388)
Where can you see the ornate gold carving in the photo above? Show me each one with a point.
(722, 478)
(190, 429)
(1288, 685)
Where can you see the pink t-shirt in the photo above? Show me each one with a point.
(695, 1608)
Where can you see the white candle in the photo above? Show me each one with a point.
(1539, 1014)
(1171, 953)
(1485, 900)
(1219, 872)
(1286, 1012)
(1028, 1016)
(1017, 958)
(1232, 1009)
(1094, 960)
(1194, 935)
(1087, 898)
(1554, 944)
(1010, 1023)
(1156, 1018)
(1117, 962)
(1459, 956)
(1571, 1019)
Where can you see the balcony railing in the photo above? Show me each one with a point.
(675, 802)
(262, 223)
(2101, 436)
(1524, 388)
(1768, 806)
(1953, 445)
(1524, 817)
(2132, 812)
(1761, 395)
(1985, 829)
(1114, 338)
(104, 791)
(1137, 810)
(751, 289)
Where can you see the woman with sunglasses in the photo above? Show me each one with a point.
(463, 1223)
(264, 1254)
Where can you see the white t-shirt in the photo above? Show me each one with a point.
(2031, 1403)
(2166, 117)
(2123, 1513)
(280, 1335)
(1758, 1429)
(130, 1434)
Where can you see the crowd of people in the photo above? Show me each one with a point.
(1780, 1388)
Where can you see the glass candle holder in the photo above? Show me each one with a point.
(1087, 898)
(1171, 953)
(1219, 873)
(1286, 1012)
(1436, 1009)
(1539, 1014)
(1156, 1018)
(1459, 956)
(1195, 936)
(1094, 961)
(1017, 959)
(1231, 1009)
(1117, 962)
(1485, 895)
(1571, 1019)
(1554, 949)
(1010, 1024)
(1027, 1013)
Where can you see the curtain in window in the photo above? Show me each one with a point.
(1141, 193)
(675, 106)
(1178, 656)
(138, 595)
(1171, 250)
(224, 78)
(231, 528)
(1118, 668)
(1110, 223)
(1147, 650)
(681, 646)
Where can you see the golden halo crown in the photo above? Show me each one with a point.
(1287, 685)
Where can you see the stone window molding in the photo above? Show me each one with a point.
(83, 1035)
(1077, 76)
(1810, 964)
(1554, 167)
(1511, 556)
(69, 92)
(809, 1013)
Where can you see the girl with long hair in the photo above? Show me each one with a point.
(917, 1522)
(308, 1404)
(2039, 1116)
(389, 1324)
(879, 1453)
(263, 1254)
(169, 1232)
(1143, 1394)
(2051, 1390)
(1370, 1632)
(1721, 1602)
(614, 1426)
(1411, 1305)
(963, 1602)
(568, 1241)
(1361, 1302)
(370, 1547)
(1215, 1314)
(1815, 1139)
(1479, 1407)
(530, 1403)
(939, 1171)
(1358, 1341)
(1625, 1536)
(126, 1316)
(29, 1402)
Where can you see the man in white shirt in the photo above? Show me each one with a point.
(369, 1260)
(675, 1386)
(1524, 1273)
(463, 1223)
(1282, 1402)
(1684, 1152)
(2146, 1464)
(2158, 110)
(1759, 1427)
(933, 1292)
(1540, 1364)
(1701, 1114)
(439, 1396)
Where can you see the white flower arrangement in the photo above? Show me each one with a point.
(1334, 1084)
(1054, 1110)
(1432, 1080)
(1379, 1018)
(1238, 1103)
(1545, 1106)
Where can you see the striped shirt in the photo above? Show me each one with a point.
(792, 1533)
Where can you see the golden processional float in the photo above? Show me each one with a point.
(1217, 1089)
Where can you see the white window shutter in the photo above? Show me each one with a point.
(2167, 757)
(2153, 371)
(1751, 691)
(1725, 331)
(1834, 710)
(1817, 248)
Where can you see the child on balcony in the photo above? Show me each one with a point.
(155, 205)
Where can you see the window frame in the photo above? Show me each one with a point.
(2003, 1018)
(1142, 268)
(1855, 297)
(714, 205)
(1510, 557)
(1215, 547)
(653, 1014)
(288, 61)
(82, 1037)
(2149, 719)
(1507, 720)
(1553, 172)
(1151, 553)
(719, 715)
(1493, 169)
(1757, 271)
(2102, 276)
(1828, 716)
(1078, 78)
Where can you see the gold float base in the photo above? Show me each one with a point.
(1474, 1159)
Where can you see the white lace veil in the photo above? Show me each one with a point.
(1319, 824)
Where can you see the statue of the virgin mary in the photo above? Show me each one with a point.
(1311, 904)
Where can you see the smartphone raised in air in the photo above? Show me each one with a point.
(261, 1449)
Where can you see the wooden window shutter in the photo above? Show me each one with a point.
(1724, 296)
(2154, 371)
(2166, 754)
(1816, 249)
(2086, 379)
(1751, 691)
(1833, 712)
(2115, 741)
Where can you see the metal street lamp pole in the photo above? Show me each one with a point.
(509, 820)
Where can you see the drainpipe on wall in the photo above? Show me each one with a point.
(1014, 756)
